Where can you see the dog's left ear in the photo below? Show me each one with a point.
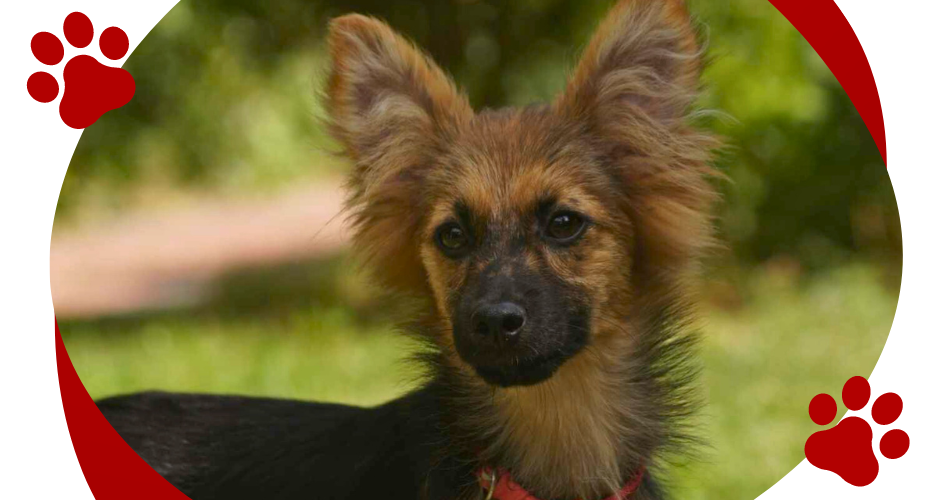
(634, 89)
(641, 68)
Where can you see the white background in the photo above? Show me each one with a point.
(36, 455)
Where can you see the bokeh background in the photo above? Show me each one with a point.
(196, 245)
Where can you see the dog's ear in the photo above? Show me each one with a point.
(641, 68)
(634, 89)
(383, 93)
(390, 108)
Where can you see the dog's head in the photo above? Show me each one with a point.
(534, 230)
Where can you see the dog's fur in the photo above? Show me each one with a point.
(593, 388)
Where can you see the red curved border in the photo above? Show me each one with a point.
(115, 472)
(828, 31)
(112, 469)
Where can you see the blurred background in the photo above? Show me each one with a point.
(196, 245)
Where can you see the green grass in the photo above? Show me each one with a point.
(765, 363)
(321, 355)
(762, 365)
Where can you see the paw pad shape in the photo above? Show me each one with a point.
(90, 88)
(846, 449)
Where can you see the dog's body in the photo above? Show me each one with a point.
(549, 250)
(236, 447)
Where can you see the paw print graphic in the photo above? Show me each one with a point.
(90, 89)
(846, 449)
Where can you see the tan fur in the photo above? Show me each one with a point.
(566, 435)
(616, 144)
(389, 106)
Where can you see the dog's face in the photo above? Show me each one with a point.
(522, 241)
(533, 231)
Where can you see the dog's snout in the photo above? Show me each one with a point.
(499, 322)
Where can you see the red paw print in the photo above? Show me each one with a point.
(846, 448)
(91, 89)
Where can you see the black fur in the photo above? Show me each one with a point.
(414, 447)
(231, 447)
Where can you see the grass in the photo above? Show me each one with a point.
(762, 363)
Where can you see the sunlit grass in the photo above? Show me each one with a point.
(762, 364)
(765, 363)
(324, 355)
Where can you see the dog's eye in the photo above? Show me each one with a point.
(565, 227)
(452, 238)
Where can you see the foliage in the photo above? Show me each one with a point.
(226, 102)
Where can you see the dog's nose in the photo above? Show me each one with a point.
(501, 321)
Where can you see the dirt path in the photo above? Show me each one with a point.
(155, 260)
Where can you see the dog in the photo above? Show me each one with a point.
(551, 251)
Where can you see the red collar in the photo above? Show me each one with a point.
(504, 488)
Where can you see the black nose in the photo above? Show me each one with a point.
(500, 321)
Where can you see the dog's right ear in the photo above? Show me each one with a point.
(390, 107)
(383, 93)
